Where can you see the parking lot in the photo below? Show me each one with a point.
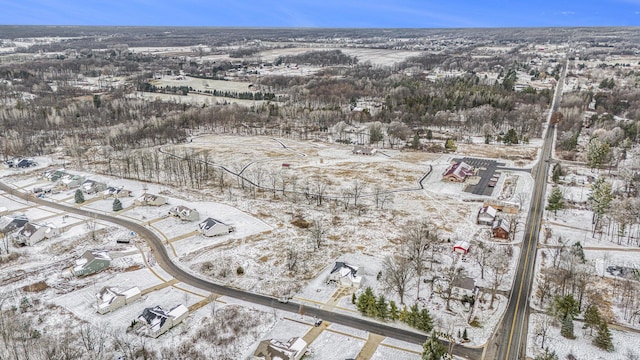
(486, 172)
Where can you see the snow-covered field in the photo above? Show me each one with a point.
(264, 234)
(625, 343)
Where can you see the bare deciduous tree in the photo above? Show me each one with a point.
(396, 275)
(317, 233)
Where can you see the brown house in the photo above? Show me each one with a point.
(500, 229)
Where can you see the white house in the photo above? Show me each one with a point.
(70, 181)
(345, 275)
(33, 233)
(461, 247)
(463, 286)
(156, 321)
(487, 215)
(151, 200)
(116, 192)
(271, 349)
(213, 227)
(184, 213)
(361, 150)
(110, 299)
(91, 186)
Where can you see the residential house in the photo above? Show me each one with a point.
(156, 321)
(458, 172)
(150, 200)
(213, 227)
(500, 229)
(20, 163)
(271, 349)
(93, 187)
(461, 247)
(70, 181)
(54, 175)
(110, 299)
(9, 223)
(462, 286)
(91, 262)
(184, 213)
(486, 215)
(117, 193)
(504, 206)
(361, 150)
(33, 233)
(345, 275)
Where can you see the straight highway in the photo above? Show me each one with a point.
(510, 338)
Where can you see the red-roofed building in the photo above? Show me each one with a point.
(458, 172)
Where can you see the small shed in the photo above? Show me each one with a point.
(461, 247)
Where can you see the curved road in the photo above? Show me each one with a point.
(163, 259)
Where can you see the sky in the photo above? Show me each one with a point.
(323, 13)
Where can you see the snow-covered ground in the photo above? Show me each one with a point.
(581, 347)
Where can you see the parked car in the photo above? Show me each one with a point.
(318, 322)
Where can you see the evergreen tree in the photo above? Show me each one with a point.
(592, 318)
(603, 340)
(429, 135)
(425, 323)
(79, 197)
(382, 308)
(404, 314)
(364, 301)
(547, 355)
(567, 328)
(578, 251)
(597, 153)
(563, 306)
(117, 205)
(465, 336)
(433, 348)
(414, 316)
(353, 298)
(511, 137)
(600, 199)
(393, 311)
(555, 201)
(450, 145)
(557, 172)
(415, 143)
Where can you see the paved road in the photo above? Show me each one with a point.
(165, 262)
(510, 339)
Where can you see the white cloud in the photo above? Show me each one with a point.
(565, 13)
